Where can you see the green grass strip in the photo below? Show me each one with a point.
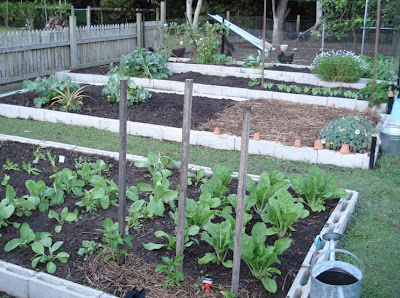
(373, 234)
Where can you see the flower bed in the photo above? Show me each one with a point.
(144, 277)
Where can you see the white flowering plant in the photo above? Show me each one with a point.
(356, 131)
(339, 66)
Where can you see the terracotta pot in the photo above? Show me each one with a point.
(217, 131)
(318, 145)
(345, 149)
(366, 110)
(390, 94)
(297, 143)
(256, 137)
(333, 106)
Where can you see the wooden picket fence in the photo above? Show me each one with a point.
(34, 53)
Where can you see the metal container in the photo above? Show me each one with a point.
(335, 279)
(390, 138)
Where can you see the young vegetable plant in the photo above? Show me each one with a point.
(27, 237)
(112, 241)
(52, 160)
(197, 177)
(89, 247)
(306, 89)
(170, 266)
(29, 169)
(38, 156)
(7, 207)
(268, 85)
(260, 258)
(11, 166)
(68, 181)
(156, 163)
(62, 217)
(5, 180)
(216, 185)
(281, 87)
(254, 82)
(316, 91)
(21, 206)
(48, 259)
(37, 190)
(188, 239)
(103, 193)
(282, 212)
(317, 187)
(200, 213)
(297, 89)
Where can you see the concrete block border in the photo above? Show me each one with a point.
(28, 283)
(237, 94)
(199, 138)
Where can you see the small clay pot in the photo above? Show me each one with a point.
(333, 106)
(297, 143)
(318, 145)
(390, 94)
(256, 137)
(366, 110)
(345, 149)
(217, 131)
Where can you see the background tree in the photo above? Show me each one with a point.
(193, 19)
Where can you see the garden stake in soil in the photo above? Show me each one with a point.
(244, 149)
(122, 160)
(187, 113)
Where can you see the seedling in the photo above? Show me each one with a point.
(197, 177)
(254, 82)
(29, 169)
(5, 180)
(11, 166)
(170, 266)
(27, 237)
(88, 248)
(48, 259)
(38, 156)
(62, 217)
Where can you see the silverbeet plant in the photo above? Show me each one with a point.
(62, 217)
(42, 257)
(27, 236)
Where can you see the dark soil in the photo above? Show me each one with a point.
(77, 269)
(161, 109)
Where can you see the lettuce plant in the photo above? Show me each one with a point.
(68, 181)
(41, 256)
(89, 247)
(156, 163)
(316, 187)
(260, 258)
(200, 213)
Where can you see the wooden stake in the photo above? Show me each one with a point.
(187, 113)
(122, 160)
(244, 149)
(378, 27)
(263, 51)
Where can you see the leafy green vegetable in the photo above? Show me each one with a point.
(89, 248)
(200, 213)
(27, 237)
(48, 259)
(11, 166)
(254, 82)
(63, 216)
(68, 181)
(170, 266)
(188, 239)
(317, 187)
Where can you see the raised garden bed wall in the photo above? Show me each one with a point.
(239, 94)
(22, 282)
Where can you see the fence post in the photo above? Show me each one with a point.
(139, 30)
(228, 18)
(163, 9)
(298, 26)
(323, 38)
(88, 18)
(73, 46)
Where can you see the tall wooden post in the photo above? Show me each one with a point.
(73, 41)
(378, 27)
(139, 30)
(228, 18)
(163, 9)
(244, 149)
(298, 26)
(122, 160)
(157, 14)
(88, 17)
(263, 51)
(187, 115)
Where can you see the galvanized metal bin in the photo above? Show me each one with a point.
(390, 138)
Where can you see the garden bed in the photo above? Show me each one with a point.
(139, 268)
(275, 121)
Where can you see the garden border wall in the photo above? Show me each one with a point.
(238, 94)
(200, 138)
(32, 284)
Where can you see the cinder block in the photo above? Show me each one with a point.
(57, 117)
(145, 130)
(85, 121)
(223, 142)
(164, 85)
(285, 96)
(109, 124)
(99, 79)
(294, 153)
(173, 134)
(257, 147)
(9, 111)
(361, 105)
(329, 84)
(46, 144)
(179, 87)
(14, 280)
(336, 158)
(287, 79)
(365, 162)
(144, 82)
(31, 113)
(341, 102)
(315, 100)
(259, 94)
(234, 92)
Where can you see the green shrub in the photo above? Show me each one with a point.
(208, 44)
(142, 64)
(386, 67)
(222, 59)
(135, 93)
(380, 95)
(339, 66)
(353, 130)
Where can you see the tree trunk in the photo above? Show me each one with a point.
(189, 11)
(318, 13)
(279, 15)
(197, 13)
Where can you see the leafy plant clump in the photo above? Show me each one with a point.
(353, 130)
(170, 266)
(339, 66)
(142, 64)
(70, 100)
(386, 67)
(379, 96)
(135, 93)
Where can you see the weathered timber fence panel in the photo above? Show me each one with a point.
(30, 54)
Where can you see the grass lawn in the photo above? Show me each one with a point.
(8, 29)
(373, 234)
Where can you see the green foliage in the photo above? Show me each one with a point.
(254, 82)
(21, 206)
(37, 192)
(271, 85)
(316, 186)
(386, 67)
(68, 181)
(29, 169)
(216, 185)
(38, 156)
(260, 258)
(27, 237)
(70, 100)
(200, 213)
(222, 59)
(282, 212)
(170, 266)
(254, 62)
(379, 96)
(45, 88)
(198, 176)
(52, 159)
(356, 131)
(112, 241)
(7, 207)
(188, 239)
(89, 248)
(103, 193)
(135, 94)
(156, 163)
(48, 259)
(137, 211)
(339, 66)
(5, 180)
(228, 294)
(62, 217)
(142, 64)
(11, 166)
(208, 44)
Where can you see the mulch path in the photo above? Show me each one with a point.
(139, 269)
(275, 120)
